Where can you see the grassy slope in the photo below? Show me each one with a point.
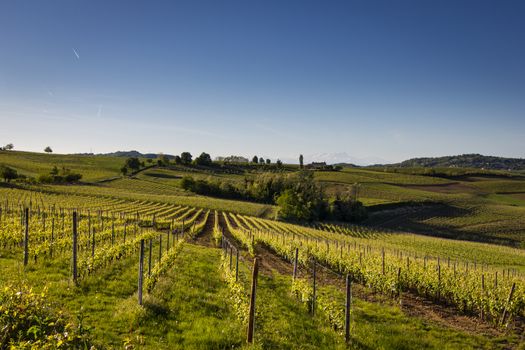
(33, 164)
(189, 309)
(479, 208)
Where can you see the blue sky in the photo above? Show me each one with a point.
(344, 80)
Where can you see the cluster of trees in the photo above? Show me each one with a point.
(299, 196)
(306, 200)
(7, 173)
(62, 175)
(132, 164)
(267, 161)
(7, 147)
(261, 160)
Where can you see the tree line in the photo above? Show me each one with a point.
(298, 196)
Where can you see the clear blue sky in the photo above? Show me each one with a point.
(368, 79)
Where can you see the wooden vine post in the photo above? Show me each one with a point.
(504, 316)
(348, 306)
(74, 262)
(93, 244)
(26, 236)
(237, 266)
(149, 256)
(141, 270)
(314, 286)
(160, 247)
(52, 237)
(251, 315)
(295, 263)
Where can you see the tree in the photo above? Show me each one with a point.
(133, 163)
(185, 158)
(8, 147)
(48, 150)
(124, 170)
(301, 161)
(279, 163)
(203, 159)
(8, 173)
(177, 160)
(268, 161)
(163, 160)
(346, 208)
(303, 200)
(255, 159)
(54, 171)
(261, 160)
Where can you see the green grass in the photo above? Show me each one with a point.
(189, 309)
(354, 175)
(92, 168)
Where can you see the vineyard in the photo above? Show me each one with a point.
(140, 263)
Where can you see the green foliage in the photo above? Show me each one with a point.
(204, 159)
(8, 173)
(124, 170)
(133, 163)
(304, 200)
(303, 289)
(345, 208)
(467, 161)
(63, 175)
(163, 160)
(238, 296)
(185, 158)
(48, 150)
(167, 262)
(29, 321)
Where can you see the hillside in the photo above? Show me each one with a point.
(91, 167)
(392, 259)
(466, 161)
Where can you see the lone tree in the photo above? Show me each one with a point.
(185, 158)
(8, 173)
(133, 163)
(48, 150)
(203, 159)
(301, 161)
(8, 147)
(255, 159)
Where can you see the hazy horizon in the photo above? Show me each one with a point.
(374, 80)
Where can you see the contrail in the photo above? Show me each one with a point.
(76, 54)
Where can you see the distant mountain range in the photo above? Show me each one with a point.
(466, 161)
